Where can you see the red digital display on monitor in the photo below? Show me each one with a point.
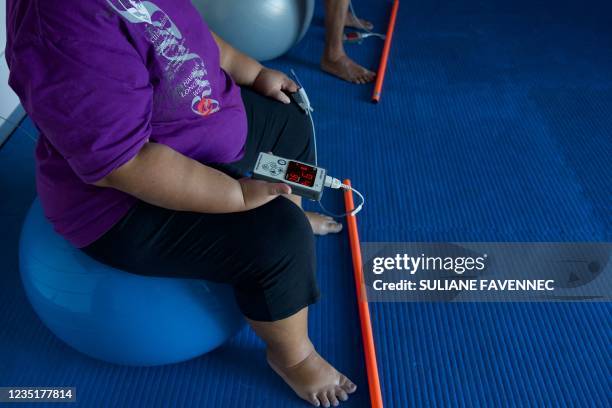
(301, 174)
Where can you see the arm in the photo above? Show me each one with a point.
(163, 177)
(245, 71)
(242, 68)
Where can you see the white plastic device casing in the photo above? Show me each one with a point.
(274, 169)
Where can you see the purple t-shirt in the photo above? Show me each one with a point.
(100, 78)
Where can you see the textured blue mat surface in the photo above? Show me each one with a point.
(495, 125)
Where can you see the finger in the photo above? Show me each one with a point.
(281, 96)
(279, 188)
(290, 85)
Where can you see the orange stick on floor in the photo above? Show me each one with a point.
(382, 68)
(362, 303)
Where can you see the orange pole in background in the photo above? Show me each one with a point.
(362, 303)
(382, 68)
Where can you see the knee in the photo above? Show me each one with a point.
(293, 236)
(284, 246)
(281, 278)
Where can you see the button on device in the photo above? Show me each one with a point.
(282, 162)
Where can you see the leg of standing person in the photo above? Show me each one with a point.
(334, 59)
(353, 21)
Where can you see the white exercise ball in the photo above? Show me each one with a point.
(263, 29)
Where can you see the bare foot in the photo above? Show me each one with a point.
(323, 224)
(315, 380)
(354, 22)
(347, 69)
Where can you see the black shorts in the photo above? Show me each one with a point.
(266, 254)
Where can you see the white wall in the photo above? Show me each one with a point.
(9, 103)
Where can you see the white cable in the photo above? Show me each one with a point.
(304, 103)
(314, 138)
(330, 182)
(371, 34)
(336, 184)
(360, 206)
(361, 36)
(357, 18)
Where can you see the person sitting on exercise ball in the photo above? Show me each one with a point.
(334, 59)
(148, 122)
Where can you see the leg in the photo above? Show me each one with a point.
(355, 22)
(334, 59)
(293, 357)
(266, 254)
(286, 131)
(274, 127)
(321, 224)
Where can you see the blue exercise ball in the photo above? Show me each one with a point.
(263, 29)
(117, 316)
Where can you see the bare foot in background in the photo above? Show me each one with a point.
(360, 23)
(347, 69)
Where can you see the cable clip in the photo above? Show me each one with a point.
(301, 97)
(335, 184)
(355, 37)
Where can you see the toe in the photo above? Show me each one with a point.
(367, 24)
(322, 224)
(312, 398)
(331, 395)
(367, 75)
(342, 395)
(324, 400)
(333, 226)
(348, 385)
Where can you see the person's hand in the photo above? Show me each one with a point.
(274, 84)
(256, 193)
